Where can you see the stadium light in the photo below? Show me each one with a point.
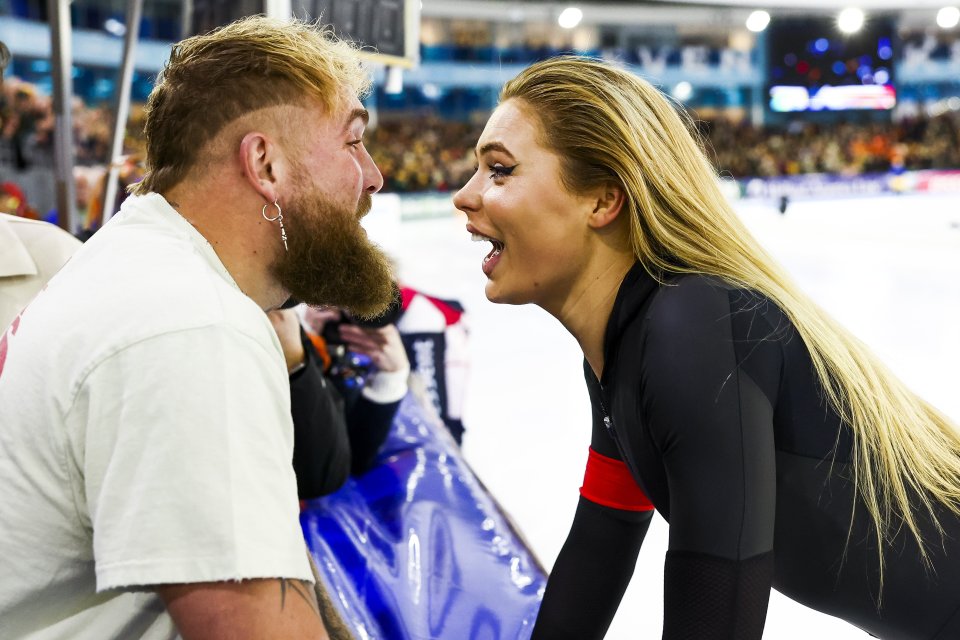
(948, 17)
(683, 91)
(570, 17)
(394, 81)
(758, 20)
(115, 27)
(850, 20)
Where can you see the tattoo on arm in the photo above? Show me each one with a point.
(302, 590)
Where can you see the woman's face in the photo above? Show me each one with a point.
(516, 201)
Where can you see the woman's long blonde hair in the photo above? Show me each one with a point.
(607, 125)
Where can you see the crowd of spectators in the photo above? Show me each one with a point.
(423, 152)
(26, 144)
(418, 154)
(27, 129)
(741, 150)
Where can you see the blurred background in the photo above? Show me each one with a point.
(834, 129)
(779, 89)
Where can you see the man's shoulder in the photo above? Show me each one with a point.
(18, 223)
(47, 245)
(125, 287)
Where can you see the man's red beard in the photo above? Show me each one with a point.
(330, 261)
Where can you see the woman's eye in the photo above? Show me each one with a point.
(500, 171)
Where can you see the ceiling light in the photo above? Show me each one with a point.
(115, 27)
(850, 20)
(758, 21)
(683, 91)
(394, 82)
(570, 17)
(948, 17)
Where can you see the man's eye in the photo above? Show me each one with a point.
(500, 171)
(354, 143)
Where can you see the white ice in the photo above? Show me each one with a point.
(886, 267)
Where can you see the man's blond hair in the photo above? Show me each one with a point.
(211, 80)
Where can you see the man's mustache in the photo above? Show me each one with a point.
(363, 207)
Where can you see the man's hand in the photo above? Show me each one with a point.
(250, 609)
(287, 326)
(316, 318)
(383, 346)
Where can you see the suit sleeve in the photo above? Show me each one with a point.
(321, 443)
(714, 430)
(368, 425)
(598, 558)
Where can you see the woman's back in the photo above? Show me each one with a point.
(706, 347)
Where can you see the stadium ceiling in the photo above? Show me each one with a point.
(885, 5)
(661, 13)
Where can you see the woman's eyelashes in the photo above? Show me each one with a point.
(499, 171)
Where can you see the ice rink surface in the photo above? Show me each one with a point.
(886, 267)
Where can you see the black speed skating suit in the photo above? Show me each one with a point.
(713, 407)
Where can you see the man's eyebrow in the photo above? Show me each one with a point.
(494, 146)
(363, 114)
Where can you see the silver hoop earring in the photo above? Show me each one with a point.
(276, 218)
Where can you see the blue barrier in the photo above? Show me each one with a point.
(417, 549)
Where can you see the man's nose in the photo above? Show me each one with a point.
(372, 178)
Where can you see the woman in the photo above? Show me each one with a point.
(780, 451)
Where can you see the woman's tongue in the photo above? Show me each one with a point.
(492, 258)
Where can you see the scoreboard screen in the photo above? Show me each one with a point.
(813, 66)
(387, 29)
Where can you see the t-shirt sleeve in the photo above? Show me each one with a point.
(713, 427)
(186, 462)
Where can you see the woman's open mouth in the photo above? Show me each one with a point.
(491, 259)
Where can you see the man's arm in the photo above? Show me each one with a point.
(261, 609)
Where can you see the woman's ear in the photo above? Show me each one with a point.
(608, 203)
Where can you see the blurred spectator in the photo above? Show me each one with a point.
(435, 334)
(424, 153)
(31, 252)
(743, 150)
(14, 202)
(338, 429)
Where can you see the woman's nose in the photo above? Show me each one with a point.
(468, 198)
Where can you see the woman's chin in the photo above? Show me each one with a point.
(497, 294)
(493, 292)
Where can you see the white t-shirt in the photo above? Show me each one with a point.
(145, 436)
(30, 253)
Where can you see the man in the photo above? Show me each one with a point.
(145, 430)
(31, 251)
(339, 421)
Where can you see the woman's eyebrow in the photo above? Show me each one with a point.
(494, 146)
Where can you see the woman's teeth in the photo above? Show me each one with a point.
(497, 245)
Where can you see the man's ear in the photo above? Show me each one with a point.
(608, 202)
(258, 157)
